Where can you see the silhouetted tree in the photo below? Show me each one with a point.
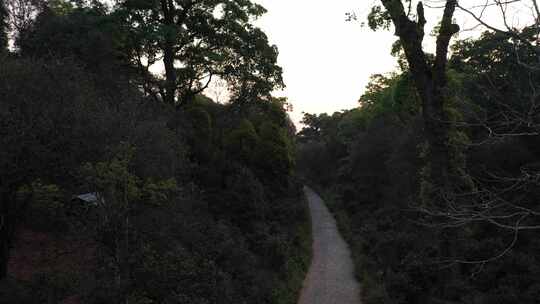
(429, 76)
(196, 41)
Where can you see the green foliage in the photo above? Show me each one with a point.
(113, 177)
(298, 260)
(159, 192)
(61, 7)
(160, 153)
(46, 196)
(47, 121)
(83, 34)
(393, 94)
(274, 155)
(207, 38)
(201, 120)
(241, 142)
(271, 132)
(379, 18)
(196, 204)
(45, 203)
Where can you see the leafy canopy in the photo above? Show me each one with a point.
(198, 41)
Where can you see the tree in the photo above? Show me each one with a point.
(117, 190)
(522, 37)
(501, 71)
(502, 114)
(197, 41)
(3, 26)
(87, 35)
(22, 13)
(429, 76)
(441, 173)
(47, 128)
(499, 102)
(241, 142)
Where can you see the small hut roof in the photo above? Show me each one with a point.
(91, 197)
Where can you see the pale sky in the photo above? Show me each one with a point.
(327, 61)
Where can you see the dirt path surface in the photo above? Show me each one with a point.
(331, 276)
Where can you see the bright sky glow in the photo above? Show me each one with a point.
(327, 61)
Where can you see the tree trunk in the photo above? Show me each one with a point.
(3, 27)
(168, 53)
(437, 135)
(6, 227)
(430, 81)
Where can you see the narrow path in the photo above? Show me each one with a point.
(330, 279)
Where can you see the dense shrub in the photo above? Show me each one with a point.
(195, 203)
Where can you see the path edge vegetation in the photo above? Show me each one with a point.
(428, 177)
(298, 264)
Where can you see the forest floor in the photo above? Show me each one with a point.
(330, 279)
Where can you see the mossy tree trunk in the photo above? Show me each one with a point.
(430, 80)
(168, 52)
(431, 83)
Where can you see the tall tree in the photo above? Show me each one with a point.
(431, 81)
(429, 75)
(196, 41)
